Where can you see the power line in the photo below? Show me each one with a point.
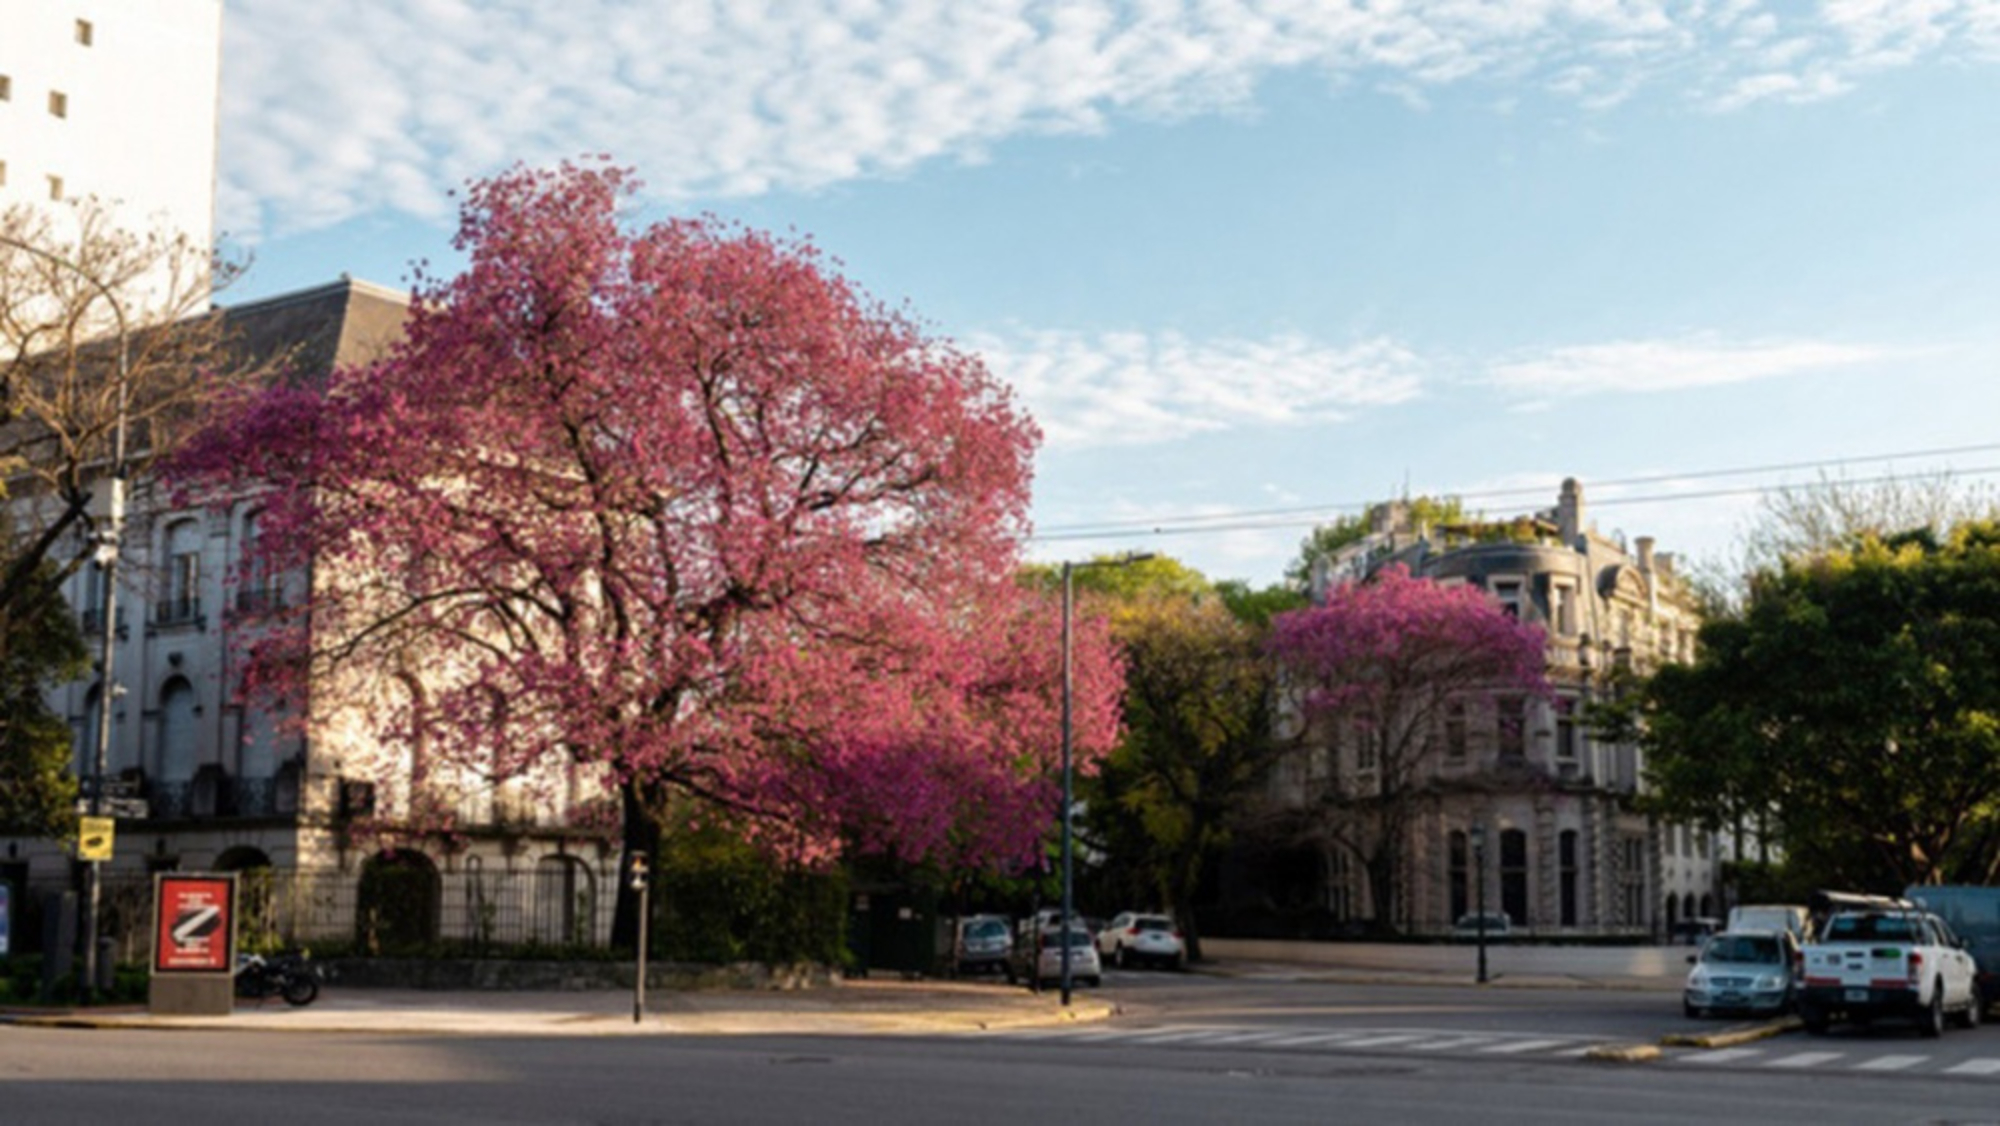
(1269, 518)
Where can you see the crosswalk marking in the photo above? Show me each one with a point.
(1890, 1063)
(1804, 1059)
(1315, 1038)
(1522, 1046)
(1490, 1044)
(1721, 1055)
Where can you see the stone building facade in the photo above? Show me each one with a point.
(203, 780)
(1530, 804)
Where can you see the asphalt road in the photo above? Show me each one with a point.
(1186, 1050)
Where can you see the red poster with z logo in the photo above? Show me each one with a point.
(194, 928)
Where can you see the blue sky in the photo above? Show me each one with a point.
(1254, 263)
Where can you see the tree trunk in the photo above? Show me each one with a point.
(642, 838)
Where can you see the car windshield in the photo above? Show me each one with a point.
(1076, 938)
(1743, 948)
(1152, 924)
(986, 928)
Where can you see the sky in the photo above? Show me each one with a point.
(1255, 264)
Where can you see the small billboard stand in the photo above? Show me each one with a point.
(194, 944)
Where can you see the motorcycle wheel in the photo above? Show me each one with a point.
(301, 989)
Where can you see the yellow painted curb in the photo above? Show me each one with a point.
(1730, 1037)
(1623, 1053)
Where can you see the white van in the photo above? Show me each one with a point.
(1772, 917)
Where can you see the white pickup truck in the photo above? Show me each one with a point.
(1896, 962)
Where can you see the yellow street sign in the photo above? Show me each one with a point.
(93, 838)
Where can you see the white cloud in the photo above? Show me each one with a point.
(334, 110)
(1667, 365)
(1132, 388)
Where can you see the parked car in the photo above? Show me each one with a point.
(984, 944)
(1498, 926)
(1896, 962)
(1038, 960)
(1133, 938)
(1743, 971)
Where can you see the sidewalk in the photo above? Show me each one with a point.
(846, 1008)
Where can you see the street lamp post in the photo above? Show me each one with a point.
(106, 555)
(1068, 871)
(1479, 894)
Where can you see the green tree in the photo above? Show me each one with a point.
(1197, 727)
(1854, 703)
(38, 644)
(1327, 539)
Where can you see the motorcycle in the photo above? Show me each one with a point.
(289, 976)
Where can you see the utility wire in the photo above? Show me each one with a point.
(1268, 518)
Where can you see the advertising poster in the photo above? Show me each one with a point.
(195, 930)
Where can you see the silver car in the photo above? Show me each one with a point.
(1743, 971)
(1039, 960)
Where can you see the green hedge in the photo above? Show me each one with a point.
(720, 900)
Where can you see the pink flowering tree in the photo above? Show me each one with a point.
(1374, 679)
(677, 509)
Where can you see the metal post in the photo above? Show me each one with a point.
(642, 885)
(107, 558)
(1068, 875)
(1479, 884)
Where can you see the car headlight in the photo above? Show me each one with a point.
(1771, 981)
(1698, 980)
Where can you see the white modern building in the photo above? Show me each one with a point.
(113, 99)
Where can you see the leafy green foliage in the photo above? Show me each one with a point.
(718, 899)
(39, 644)
(1198, 732)
(1854, 706)
(1326, 539)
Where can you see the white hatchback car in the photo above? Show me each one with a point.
(1039, 960)
(1135, 937)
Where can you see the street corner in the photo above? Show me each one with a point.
(1732, 1036)
(1623, 1053)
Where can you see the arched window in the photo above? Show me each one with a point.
(257, 588)
(177, 731)
(565, 902)
(1514, 876)
(396, 903)
(1458, 852)
(1568, 876)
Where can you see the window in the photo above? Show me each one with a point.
(1514, 875)
(1454, 733)
(1562, 608)
(1567, 876)
(56, 188)
(183, 593)
(1566, 744)
(1508, 592)
(1513, 723)
(6, 88)
(58, 104)
(3, 173)
(84, 33)
(1456, 853)
(259, 590)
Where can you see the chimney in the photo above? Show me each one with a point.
(1646, 554)
(1569, 513)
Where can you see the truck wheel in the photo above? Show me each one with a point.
(1970, 1017)
(1932, 1024)
(1813, 1018)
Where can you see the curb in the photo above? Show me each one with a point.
(1731, 1037)
(1624, 1053)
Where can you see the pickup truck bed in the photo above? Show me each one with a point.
(1896, 963)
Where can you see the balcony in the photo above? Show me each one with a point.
(178, 611)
